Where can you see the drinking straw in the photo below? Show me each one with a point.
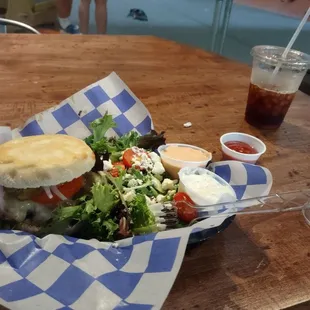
(290, 44)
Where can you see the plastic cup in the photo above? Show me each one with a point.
(270, 98)
(173, 166)
(229, 154)
(228, 194)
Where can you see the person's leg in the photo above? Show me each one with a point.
(84, 15)
(63, 8)
(101, 16)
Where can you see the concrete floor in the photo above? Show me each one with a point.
(189, 22)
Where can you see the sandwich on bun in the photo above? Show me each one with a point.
(40, 173)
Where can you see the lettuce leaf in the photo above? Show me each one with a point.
(111, 228)
(143, 220)
(100, 127)
(126, 141)
(105, 197)
(103, 146)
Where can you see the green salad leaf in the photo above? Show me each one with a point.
(127, 141)
(68, 212)
(90, 206)
(136, 173)
(100, 126)
(105, 197)
(111, 228)
(102, 146)
(142, 218)
(115, 155)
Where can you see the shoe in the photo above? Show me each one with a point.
(71, 29)
(138, 14)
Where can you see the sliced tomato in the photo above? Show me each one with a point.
(128, 157)
(119, 165)
(186, 213)
(68, 189)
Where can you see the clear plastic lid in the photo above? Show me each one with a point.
(272, 55)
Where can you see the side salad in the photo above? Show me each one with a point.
(127, 179)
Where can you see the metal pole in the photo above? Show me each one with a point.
(226, 19)
(215, 23)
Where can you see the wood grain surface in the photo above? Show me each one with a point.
(259, 262)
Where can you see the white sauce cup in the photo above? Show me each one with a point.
(227, 194)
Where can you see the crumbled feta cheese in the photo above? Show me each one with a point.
(127, 176)
(158, 168)
(132, 183)
(171, 192)
(140, 182)
(160, 198)
(149, 201)
(141, 159)
(167, 184)
(107, 165)
(187, 125)
(155, 157)
(129, 196)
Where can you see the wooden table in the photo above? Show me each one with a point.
(259, 262)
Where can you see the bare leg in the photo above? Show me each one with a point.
(63, 8)
(101, 16)
(84, 15)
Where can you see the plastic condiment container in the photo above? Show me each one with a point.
(205, 194)
(173, 165)
(254, 142)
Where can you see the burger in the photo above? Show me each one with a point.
(38, 174)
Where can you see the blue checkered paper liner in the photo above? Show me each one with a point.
(73, 115)
(247, 180)
(58, 272)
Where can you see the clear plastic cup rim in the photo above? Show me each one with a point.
(262, 147)
(294, 57)
(198, 163)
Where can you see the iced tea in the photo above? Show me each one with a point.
(272, 92)
(267, 108)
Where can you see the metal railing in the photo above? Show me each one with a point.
(8, 22)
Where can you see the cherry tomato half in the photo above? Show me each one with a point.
(128, 157)
(68, 189)
(186, 213)
(116, 168)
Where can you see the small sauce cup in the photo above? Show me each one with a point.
(174, 165)
(229, 154)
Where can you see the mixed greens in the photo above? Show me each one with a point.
(127, 179)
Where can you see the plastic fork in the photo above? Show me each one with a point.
(166, 213)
